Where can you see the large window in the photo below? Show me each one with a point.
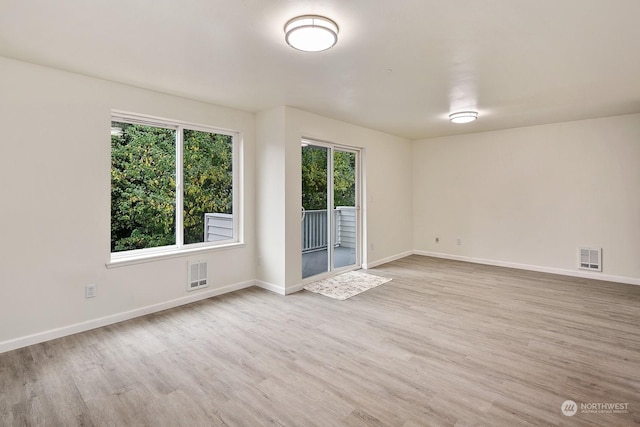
(172, 186)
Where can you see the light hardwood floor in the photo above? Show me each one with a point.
(444, 343)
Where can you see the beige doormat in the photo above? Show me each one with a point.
(346, 285)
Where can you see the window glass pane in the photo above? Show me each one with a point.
(344, 210)
(315, 223)
(208, 186)
(143, 186)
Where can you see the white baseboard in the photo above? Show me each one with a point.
(294, 289)
(560, 271)
(270, 287)
(208, 293)
(279, 289)
(118, 317)
(386, 260)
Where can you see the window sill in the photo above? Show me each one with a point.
(123, 261)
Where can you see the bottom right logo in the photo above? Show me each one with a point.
(569, 408)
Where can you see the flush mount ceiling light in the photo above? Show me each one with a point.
(463, 116)
(311, 33)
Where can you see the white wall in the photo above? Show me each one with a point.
(54, 169)
(54, 165)
(387, 204)
(532, 195)
(270, 198)
(55, 162)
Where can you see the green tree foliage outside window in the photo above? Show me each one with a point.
(344, 178)
(143, 187)
(143, 184)
(314, 178)
(208, 180)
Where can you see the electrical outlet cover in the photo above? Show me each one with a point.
(90, 291)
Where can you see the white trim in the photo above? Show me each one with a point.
(237, 188)
(293, 289)
(324, 275)
(360, 207)
(123, 261)
(560, 271)
(280, 290)
(141, 255)
(270, 287)
(163, 122)
(331, 226)
(179, 218)
(359, 202)
(364, 212)
(200, 295)
(387, 259)
(119, 317)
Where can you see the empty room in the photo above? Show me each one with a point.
(320, 213)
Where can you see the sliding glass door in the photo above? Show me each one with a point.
(330, 208)
(315, 214)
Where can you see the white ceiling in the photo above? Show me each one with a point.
(399, 66)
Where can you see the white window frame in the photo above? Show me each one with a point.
(141, 255)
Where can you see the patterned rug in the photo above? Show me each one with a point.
(346, 285)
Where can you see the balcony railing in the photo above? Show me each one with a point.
(315, 228)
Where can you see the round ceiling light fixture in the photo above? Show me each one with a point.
(463, 116)
(311, 33)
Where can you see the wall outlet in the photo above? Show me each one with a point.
(459, 241)
(437, 240)
(91, 291)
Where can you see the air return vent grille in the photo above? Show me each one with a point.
(198, 277)
(590, 259)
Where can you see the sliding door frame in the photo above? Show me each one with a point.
(331, 149)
